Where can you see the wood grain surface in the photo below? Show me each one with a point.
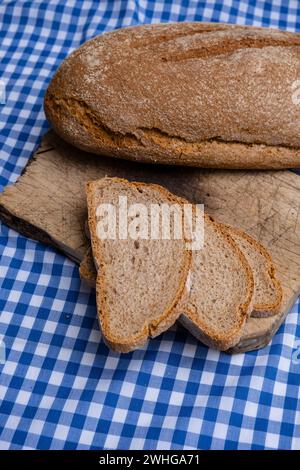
(48, 203)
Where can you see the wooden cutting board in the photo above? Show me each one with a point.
(48, 203)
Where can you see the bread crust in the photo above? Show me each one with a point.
(198, 94)
(157, 325)
(87, 269)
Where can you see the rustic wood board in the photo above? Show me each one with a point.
(48, 203)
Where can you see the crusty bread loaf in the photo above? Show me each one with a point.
(139, 281)
(267, 297)
(218, 299)
(209, 95)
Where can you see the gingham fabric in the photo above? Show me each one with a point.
(60, 387)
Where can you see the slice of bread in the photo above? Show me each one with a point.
(218, 297)
(267, 297)
(139, 282)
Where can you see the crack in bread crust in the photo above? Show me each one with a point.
(91, 122)
(156, 146)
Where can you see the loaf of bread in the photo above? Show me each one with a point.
(199, 94)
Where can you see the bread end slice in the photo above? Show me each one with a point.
(267, 297)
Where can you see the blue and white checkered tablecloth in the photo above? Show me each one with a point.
(60, 387)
